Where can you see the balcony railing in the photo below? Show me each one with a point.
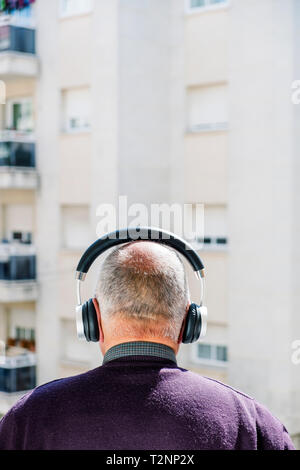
(17, 161)
(17, 372)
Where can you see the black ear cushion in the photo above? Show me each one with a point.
(191, 319)
(85, 321)
(198, 325)
(94, 333)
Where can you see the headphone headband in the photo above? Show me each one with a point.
(138, 233)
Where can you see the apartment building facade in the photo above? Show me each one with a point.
(161, 102)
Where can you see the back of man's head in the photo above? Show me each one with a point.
(143, 291)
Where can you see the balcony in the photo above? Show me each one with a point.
(17, 371)
(17, 161)
(17, 367)
(17, 50)
(17, 272)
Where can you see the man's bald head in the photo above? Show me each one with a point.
(144, 283)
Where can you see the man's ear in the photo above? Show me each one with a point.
(97, 308)
(183, 324)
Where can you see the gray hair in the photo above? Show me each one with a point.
(145, 285)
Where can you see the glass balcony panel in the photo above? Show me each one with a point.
(17, 373)
(17, 154)
(17, 262)
(17, 39)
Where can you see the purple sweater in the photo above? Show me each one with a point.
(140, 402)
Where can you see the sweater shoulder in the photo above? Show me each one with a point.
(218, 387)
(271, 433)
(78, 384)
(52, 391)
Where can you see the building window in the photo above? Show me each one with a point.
(19, 115)
(19, 218)
(75, 7)
(213, 234)
(205, 3)
(211, 354)
(76, 106)
(207, 108)
(75, 227)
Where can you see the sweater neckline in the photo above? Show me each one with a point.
(135, 350)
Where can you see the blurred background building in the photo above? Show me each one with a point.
(161, 101)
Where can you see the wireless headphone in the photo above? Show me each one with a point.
(86, 315)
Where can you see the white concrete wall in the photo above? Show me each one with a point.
(295, 286)
(48, 222)
(151, 100)
(261, 216)
(105, 95)
(206, 167)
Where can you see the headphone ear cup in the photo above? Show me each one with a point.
(190, 323)
(94, 333)
(198, 325)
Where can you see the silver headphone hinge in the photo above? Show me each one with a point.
(80, 276)
(78, 293)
